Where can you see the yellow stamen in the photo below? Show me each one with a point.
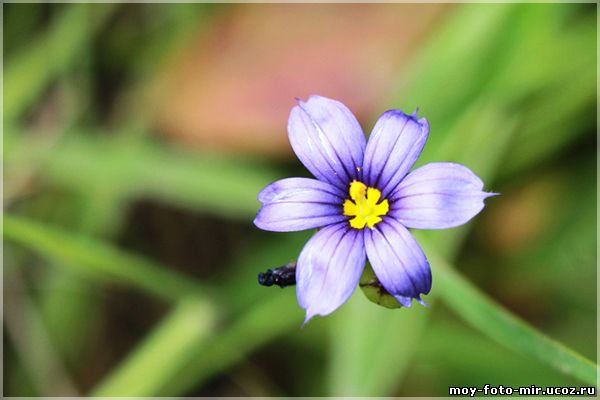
(363, 206)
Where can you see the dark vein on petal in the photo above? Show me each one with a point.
(373, 142)
(401, 188)
(380, 172)
(319, 148)
(383, 271)
(441, 178)
(330, 260)
(416, 257)
(322, 190)
(305, 202)
(326, 138)
(300, 218)
(414, 150)
(348, 147)
(441, 194)
(320, 175)
(413, 208)
(416, 291)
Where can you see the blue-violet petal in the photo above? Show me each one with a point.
(327, 139)
(438, 196)
(297, 204)
(329, 268)
(394, 146)
(398, 261)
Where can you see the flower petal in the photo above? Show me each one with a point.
(329, 268)
(284, 188)
(296, 204)
(398, 261)
(438, 196)
(328, 140)
(394, 146)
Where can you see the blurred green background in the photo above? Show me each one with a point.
(136, 138)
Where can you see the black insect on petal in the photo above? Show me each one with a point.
(282, 276)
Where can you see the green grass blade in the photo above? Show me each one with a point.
(372, 347)
(440, 79)
(160, 358)
(261, 324)
(30, 71)
(494, 321)
(122, 170)
(94, 258)
(25, 328)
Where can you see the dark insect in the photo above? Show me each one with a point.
(282, 276)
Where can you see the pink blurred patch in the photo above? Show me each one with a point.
(233, 88)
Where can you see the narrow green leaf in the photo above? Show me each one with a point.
(53, 52)
(261, 324)
(554, 123)
(29, 335)
(160, 358)
(440, 79)
(371, 347)
(493, 320)
(70, 314)
(93, 258)
(115, 169)
(467, 361)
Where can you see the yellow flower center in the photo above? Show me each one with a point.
(363, 206)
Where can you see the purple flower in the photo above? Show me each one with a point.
(364, 199)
